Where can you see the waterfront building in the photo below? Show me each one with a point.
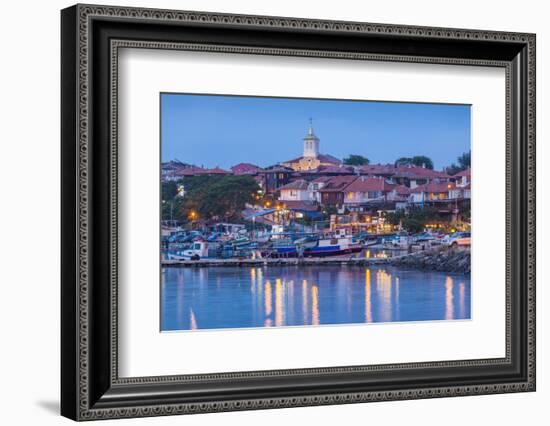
(316, 185)
(333, 191)
(297, 190)
(365, 189)
(431, 192)
(413, 176)
(274, 177)
(463, 182)
(409, 176)
(353, 222)
(311, 158)
(377, 170)
(460, 192)
(463, 178)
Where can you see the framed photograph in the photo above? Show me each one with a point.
(263, 212)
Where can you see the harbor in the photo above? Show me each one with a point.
(314, 240)
(439, 259)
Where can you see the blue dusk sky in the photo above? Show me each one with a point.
(211, 131)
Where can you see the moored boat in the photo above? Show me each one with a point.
(323, 247)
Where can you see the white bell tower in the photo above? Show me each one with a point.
(311, 142)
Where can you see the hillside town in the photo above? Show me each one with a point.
(310, 197)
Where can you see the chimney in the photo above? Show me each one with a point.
(423, 165)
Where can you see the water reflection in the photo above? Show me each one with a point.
(279, 303)
(383, 288)
(267, 298)
(202, 298)
(368, 303)
(314, 305)
(461, 298)
(449, 307)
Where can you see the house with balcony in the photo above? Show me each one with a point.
(298, 190)
(333, 191)
(432, 192)
(365, 189)
(463, 178)
(413, 176)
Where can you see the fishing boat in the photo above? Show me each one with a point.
(321, 248)
(240, 241)
(307, 242)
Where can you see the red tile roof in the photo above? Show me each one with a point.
(402, 190)
(215, 171)
(297, 184)
(413, 172)
(466, 172)
(338, 183)
(324, 158)
(276, 168)
(344, 170)
(189, 171)
(322, 179)
(366, 184)
(244, 168)
(374, 169)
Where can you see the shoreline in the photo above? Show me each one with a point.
(440, 259)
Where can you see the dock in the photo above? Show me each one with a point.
(305, 261)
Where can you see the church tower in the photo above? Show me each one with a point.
(311, 143)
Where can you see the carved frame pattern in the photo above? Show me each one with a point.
(85, 13)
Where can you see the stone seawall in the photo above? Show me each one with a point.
(443, 259)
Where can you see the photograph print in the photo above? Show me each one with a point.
(280, 212)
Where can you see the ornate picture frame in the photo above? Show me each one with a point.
(91, 38)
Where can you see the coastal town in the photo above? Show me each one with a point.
(313, 206)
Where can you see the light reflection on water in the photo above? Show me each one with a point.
(226, 297)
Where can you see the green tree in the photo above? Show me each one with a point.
(356, 160)
(417, 160)
(403, 161)
(220, 197)
(169, 190)
(208, 197)
(414, 220)
(423, 161)
(394, 218)
(464, 161)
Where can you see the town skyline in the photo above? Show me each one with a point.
(249, 129)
